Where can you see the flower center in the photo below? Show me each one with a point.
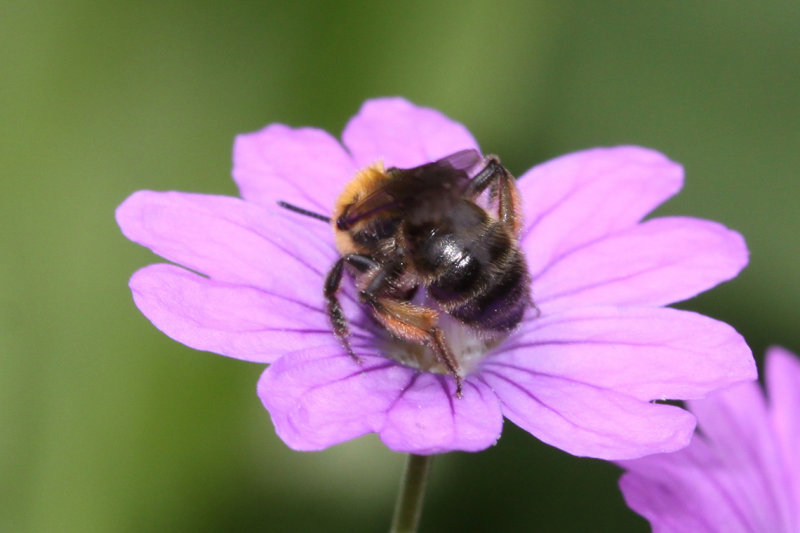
(467, 345)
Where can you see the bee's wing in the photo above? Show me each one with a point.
(375, 202)
(463, 160)
(447, 171)
(407, 183)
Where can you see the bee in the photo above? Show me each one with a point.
(401, 231)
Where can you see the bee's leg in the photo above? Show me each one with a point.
(503, 188)
(446, 357)
(414, 323)
(332, 283)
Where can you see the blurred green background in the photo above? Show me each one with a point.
(106, 425)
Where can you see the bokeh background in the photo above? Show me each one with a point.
(106, 425)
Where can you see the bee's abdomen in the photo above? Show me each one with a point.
(482, 282)
(501, 303)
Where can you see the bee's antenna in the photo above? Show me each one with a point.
(302, 211)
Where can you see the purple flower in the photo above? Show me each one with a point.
(584, 374)
(741, 473)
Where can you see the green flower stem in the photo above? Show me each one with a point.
(408, 508)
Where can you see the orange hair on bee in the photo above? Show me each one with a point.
(366, 181)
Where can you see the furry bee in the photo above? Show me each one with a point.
(403, 231)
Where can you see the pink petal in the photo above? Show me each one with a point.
(320, 398)
(645, 353)
(735, 425)
(402, 134)
(427, 418)
(236, 321)
(230, 240)
(734, 420)
(783, 384)
(684, 491)
(730, 478)
(578, 198)
(585, 420)
(303, 166)
(658, 262)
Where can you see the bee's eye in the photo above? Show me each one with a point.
(341, 223)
